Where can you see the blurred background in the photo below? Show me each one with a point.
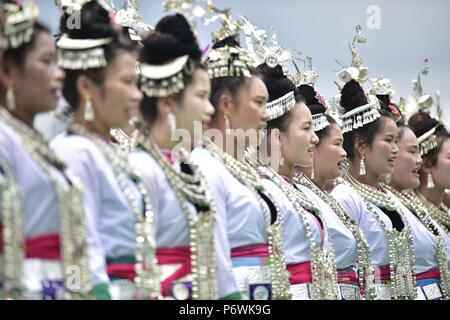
(400, 35)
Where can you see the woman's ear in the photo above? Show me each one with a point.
(85, 87)
(224, 105)
(426, 167)
(360, 147)
(7, 72)
(165, 106)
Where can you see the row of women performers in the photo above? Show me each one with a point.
(94, 215)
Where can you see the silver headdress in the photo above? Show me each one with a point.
(281, 106)
(229, 62)
(357, 70)
(306, 76)
(129, 16)
(193, 10)
(428, 141)
(421, 101)
(81, 54)
(366, 113)
(320, 121)
(19, 22)
(382, 86)
(164, 80)
(270, 53)
(362, 115)
(230, 27)
(334, 109)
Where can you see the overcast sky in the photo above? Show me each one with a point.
(410, 30)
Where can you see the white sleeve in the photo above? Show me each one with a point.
(83, 164)
(349, 201)
(144, 164)
(226, 283)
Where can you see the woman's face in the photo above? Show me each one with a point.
(329, 155)
(39, 81)
(117, 100)
(380, 157)
(441, 170)
(407, 165)
(297, 143)
(249, 112)
(195, 105)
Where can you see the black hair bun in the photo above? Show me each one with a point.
(276, 82)
(352, 96)
(159, 48)
(310, 96)
(177, 26)
(385, 101)
(421, 122)
(95, 23)
(230, 41)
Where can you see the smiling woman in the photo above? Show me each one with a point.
(37, 217)
(176, 92)
(429, 239)
(101, 87)
(371, 150)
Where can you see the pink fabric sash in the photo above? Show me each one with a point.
(300, 273)
(384, 274)
(165, 256)
(432, 274)
(44, 247)
(347, 276)
(259, 250)
(174, 256)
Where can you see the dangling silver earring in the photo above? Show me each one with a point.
(89, 114)
(388, 178)
(10, 98)
(172, 122)
(227, 125)
(362, 168)
(430, 182)
(312, 173)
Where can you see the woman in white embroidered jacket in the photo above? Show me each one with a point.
(410, 182)
(292, 139)
(101, 88)
(350, 245)
(370, 142)
(250, 218)
(176, 87)
(39, 203)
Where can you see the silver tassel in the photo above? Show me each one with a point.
(430, 182)
(89, 114)
(362, 168)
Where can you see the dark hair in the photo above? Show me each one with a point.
(96, 24)
(278, 85)
(230, 85)
(173, 38)
(231, 41)
(18, 55)
(352, 97)
(420, 123)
